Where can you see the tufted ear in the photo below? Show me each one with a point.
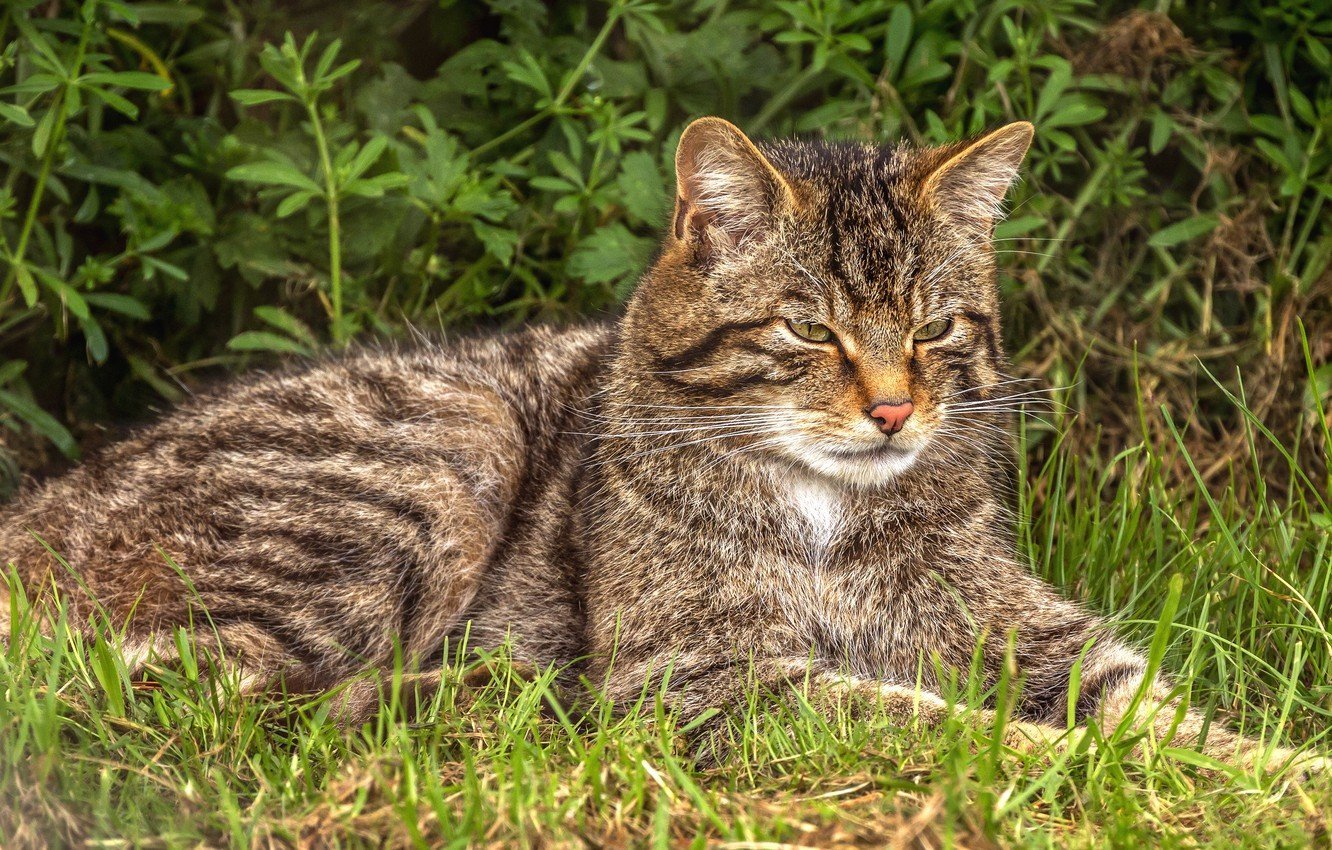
(726, 190)
(971, 184)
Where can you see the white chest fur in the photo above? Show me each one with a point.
(818, 508)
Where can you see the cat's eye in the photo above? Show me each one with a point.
(932, 330)
(812, 331)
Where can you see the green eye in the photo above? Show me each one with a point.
(812, 331)
(933, 330)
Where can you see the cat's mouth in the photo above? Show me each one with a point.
(855, 462)
(885, 449)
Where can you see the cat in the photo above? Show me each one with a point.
(787, 466)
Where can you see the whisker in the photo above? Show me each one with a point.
(705, 406)
(617, 458)
(988, 386)
(632, 435)
(744, 450)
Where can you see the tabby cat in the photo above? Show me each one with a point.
(786, 467)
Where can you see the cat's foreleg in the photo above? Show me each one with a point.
(696, 686)
(1116, 691)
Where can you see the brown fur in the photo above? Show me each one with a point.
(694, 492)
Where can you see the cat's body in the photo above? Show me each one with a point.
(786, 467)
(323, 513)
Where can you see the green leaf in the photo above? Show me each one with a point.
(280, 68)
(552, 184)
(1269, 125)
(339, 72)
(500, 242)
(528, 73)
(40, 421)
(899, 38)
(116, 102)
(294, 203)
(126, 79)
(1198, 759)
(1183, 231)
(94, 338)
(855, 42)
(39, 42)
(1162, 129)
(611, 254)
(39, 83)
(27, 286)
(41, 137)
(174, 14)
(122, 304)
(169, 269)
(255, 97)
(266, 341)
(1074, 111)
(11, 370)
(643, 188)
(68, 296)
(1060, 77)
(1019, 226)
(374, 187)
(366, 157)
(327, 58)
(287, 323)
(15, 114)
(274, 174)
(1319, 52)
(147, 373)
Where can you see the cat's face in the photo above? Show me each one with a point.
(829, 306)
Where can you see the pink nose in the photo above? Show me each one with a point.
(891, 415)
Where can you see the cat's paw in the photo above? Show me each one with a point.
(363, 700)
(1284, 762)
(1300, 765)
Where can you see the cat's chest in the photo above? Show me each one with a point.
(816, 515)
(853, 580)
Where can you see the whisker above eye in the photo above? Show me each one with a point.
(1042, 393)
(1031, 402)
(980, 387)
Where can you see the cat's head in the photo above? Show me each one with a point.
(833, 305)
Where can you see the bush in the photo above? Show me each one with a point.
(190, 186)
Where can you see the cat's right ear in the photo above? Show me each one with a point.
(726, 190)
(970, 185)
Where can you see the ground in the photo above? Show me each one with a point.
(1233, 592)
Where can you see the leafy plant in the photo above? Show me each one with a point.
(180, 175)
(340, 176)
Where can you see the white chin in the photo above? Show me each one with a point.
(860, 469)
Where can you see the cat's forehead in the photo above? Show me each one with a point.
(863, 235)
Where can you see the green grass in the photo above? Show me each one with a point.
(88, 756)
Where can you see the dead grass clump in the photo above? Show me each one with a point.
(1140, 45)
(31, 816)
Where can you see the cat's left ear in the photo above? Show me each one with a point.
(970, 185)
(726, 190)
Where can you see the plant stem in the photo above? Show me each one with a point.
(778, 102)
(334, 223)
(565, 91)
(1089, 190)
(48, 160)
(1285, 259)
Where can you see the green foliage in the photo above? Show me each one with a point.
(1233, 597)
(188, 184)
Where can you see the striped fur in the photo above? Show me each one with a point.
(694, 488)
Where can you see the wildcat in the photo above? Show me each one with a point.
(784, 467)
